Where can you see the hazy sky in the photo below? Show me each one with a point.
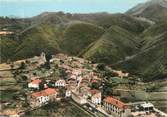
(28, 8)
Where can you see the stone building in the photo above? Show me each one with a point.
(116, 107)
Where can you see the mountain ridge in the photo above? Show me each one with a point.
(126, 41)
(155, 10)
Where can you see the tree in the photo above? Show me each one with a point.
(8, 61)
(114, 74)
(48, 57)
(24, 78)
(108, 91)
(62, 73)
(95, 85)
(101, 66)
(47, 64)
(107, 88)
(62, 92)
(51, 84)
(27, 62)
(12, 66)
(41, 86)
(61, 61)
(22, 66)
(35, 74)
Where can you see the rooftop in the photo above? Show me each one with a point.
(115, 102)
(61, 81)
(37, 81)
(147, 105)
(45, 92)
(94, 91)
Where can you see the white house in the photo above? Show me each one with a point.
(73, 77)
(68, 93)
(34, 84)
(69, 88)
(121, 73)
(147, 107)
(60, 83)
(78, 98)
(95, 96)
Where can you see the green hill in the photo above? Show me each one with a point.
(124, 21)
(116, 44)
(152, 31)
(14, 24)
(7, 49)
(107, 20)
(155, 10)
(78, 35)
(41, 38)
(151, 62)
(125, 41)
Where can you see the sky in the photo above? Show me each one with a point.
(29, 8)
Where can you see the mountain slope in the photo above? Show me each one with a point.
(151, 62)
(14, 24)
(153, 32)
(126, 41)
(155, 10)
(107, 20)
(78, 35)
(41, 38)
(116, 44)
(7, 49)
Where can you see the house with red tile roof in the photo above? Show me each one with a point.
(116, 107)
(38, 99)
(34, 84)
(94, 81)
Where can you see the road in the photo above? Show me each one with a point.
(83, 109)
(162, 113)
(100, 110)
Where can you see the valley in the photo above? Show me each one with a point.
(113, 39)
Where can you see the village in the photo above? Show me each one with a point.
(76, 79)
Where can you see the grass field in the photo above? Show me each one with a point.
(7, 81)
(4, 66)
(7, 95)
(58, 110)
